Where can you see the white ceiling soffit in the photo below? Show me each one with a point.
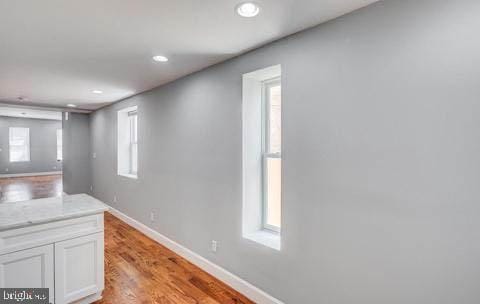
(57, 52)
(29, 113)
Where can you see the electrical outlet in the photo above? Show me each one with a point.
(115, 199)
(152, 216)
(94, 155)
(214, 246)
(6, 170)
(91, 188)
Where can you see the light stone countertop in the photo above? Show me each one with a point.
(45, 210)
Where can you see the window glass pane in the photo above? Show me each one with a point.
(18, 153)
(134, 159)
(19, 142)
(275, 119)
(134, 128)
(127, 149)
(133, 144)
(59, 145)
(18, 136)
(59, 137)
(274, 186)
(273, 148)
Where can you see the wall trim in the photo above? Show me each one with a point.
(250, 291)
(30, 174)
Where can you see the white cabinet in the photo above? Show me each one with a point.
(78, 268)
(32, 268)
(65, 256)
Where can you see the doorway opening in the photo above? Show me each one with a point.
(31, 154)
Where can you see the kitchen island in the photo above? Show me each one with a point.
(55, 243)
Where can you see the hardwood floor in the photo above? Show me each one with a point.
(139, 270)
(15, 189)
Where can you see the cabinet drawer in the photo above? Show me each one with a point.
(38, 235)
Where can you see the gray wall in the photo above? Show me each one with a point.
(76, 154)
(381, 159)
(43, 145)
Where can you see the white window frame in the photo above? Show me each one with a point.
(133, 124)
(27, 145)
(253, 228)
(266, 154)
(126, 142)
(59, 155)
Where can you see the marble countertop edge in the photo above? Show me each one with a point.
(16, 215)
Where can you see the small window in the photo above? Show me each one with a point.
(272, 153)
(133, 120)
(19, 140)
(127, 137)
(59, 145)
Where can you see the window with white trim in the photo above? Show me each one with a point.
(133, 122)
(262, 156)
(19, 144)
(127, 142)
(59, 145)
(272, 153)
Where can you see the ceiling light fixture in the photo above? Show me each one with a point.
(97, 92)
(71, 105)
(248, 9)
(160, 58)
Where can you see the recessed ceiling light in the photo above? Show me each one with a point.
(71, 105)
(248, 9)
(160, 58)
(97, 92)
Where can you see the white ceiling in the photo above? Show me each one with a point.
(55, 52)
(29, 113)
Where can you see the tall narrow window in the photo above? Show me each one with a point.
(127, 142)
(272, 153)
(133, 119)
(59, 145)
(19, 140)
(262, 156)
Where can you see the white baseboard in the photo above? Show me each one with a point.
(253, 293)
(30, 174)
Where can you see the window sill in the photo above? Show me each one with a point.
(266, 238)
(128, 175)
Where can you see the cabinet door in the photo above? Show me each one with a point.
(30, 268)
(78, 268)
